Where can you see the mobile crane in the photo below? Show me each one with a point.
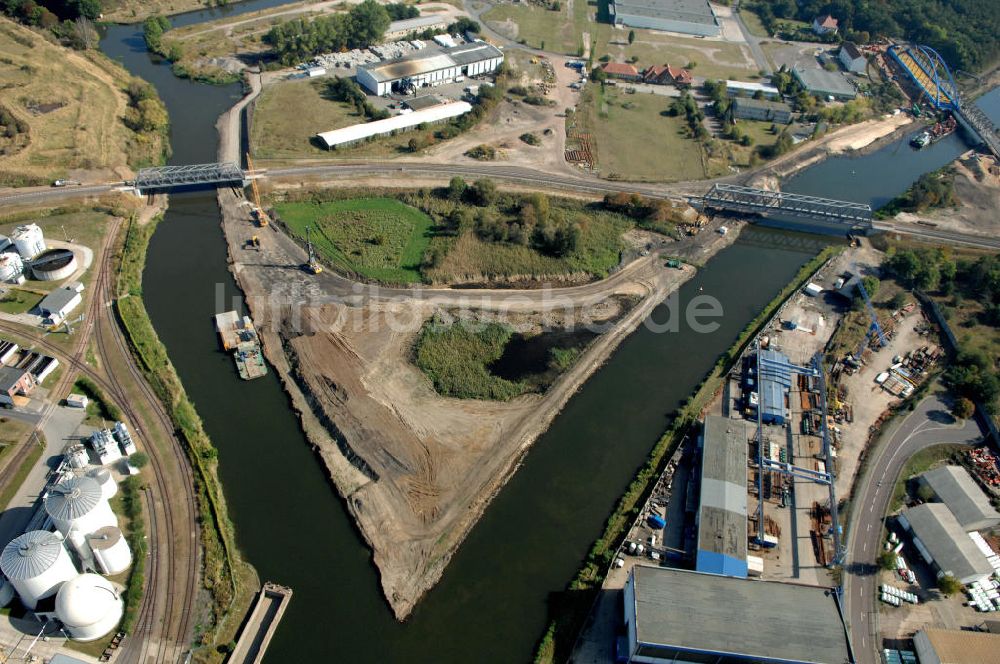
(258, 210)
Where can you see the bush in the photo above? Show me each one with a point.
(531, 139)
(455, 357)
(482, 152)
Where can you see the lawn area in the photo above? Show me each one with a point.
(752, 21)
(635, 140)
(456, 358)
(289, 114)
(12, 431)
(379, 238)
(21, 473)
(920, 462)
(712, 59)
(16, 301)
(549, 30)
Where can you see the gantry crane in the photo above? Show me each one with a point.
(874, 329)
(258, 210)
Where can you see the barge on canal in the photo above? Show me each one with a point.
(239, 336)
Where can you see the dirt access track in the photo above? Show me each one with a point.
(415, 469)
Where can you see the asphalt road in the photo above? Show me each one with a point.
(929, 424)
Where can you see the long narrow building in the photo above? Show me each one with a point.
(722, 515)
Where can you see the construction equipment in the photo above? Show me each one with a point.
(312, 266)
(258, 210)
(254, 243)
(874, 327)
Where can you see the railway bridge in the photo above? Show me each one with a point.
(161, 178)
(848, 216)
(930, 73)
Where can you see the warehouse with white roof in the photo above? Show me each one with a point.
(429, 67)
(722, 514)
(365, 130)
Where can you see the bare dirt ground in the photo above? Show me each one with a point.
(513, 119)
(977, 188)
(415, 468)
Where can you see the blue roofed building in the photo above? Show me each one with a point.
(722, 512)
(775, 380)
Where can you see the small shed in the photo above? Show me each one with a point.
(813, 289)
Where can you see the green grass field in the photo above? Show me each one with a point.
(557, 30)
(753, 23)
(379, 238)
(635, 141)
(455, 357)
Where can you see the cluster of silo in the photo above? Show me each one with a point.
(39, 565)
(11, 267)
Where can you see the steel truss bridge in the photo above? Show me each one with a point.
(169, 177)
(928, 70)
(736, 198)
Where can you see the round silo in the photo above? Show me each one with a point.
(105, 480)
(76, 455)
(88, 607)
(79, 504)
(11, 266)
(28, 240)
(111, 551)
(36, 563)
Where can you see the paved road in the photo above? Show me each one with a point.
(753, 42)
(929, 424)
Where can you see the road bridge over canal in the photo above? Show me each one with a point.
(852, 217)
(162, 178)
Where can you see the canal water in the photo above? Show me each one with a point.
(879, 177)
(494, 599)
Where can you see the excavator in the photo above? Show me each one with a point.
(311, 266)
(258, 210)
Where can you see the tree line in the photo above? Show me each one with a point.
(965, 32)
(300, 39)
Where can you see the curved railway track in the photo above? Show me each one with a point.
(164, 626)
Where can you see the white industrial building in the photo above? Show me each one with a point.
(28, 240)
(944, 544)
(37, 564)
(78, 505)
(111, 551)
(360, 132)
(748, 89)
(124, 438)
(429, 67)
(105, 446)
(89, 607)
(690, 17)
(60, 303)
(852, 58)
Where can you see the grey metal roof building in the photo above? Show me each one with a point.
(954, 487)
(430, 67)
(823, 83)
(693, 17)
(722, 514)
(943, 543)
(761, 109)
(675, 615)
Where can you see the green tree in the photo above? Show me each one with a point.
(631, 37)
(456, 188)
(887, 560)
(484, 192)
(949, 585)
(139, 460)
(963, 409)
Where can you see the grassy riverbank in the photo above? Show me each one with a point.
(229, 580)
(557, 643)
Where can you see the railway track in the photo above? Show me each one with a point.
(164, 626)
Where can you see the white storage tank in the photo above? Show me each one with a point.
(28, 240)
(79, 504)
(11, 266)
(76, 456)
(105, 480)
(4, 242)
(111, 550)
(36, 563)
(88, 607)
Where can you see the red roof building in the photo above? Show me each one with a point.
(824, 25)
(620, 70)
(667, 75)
